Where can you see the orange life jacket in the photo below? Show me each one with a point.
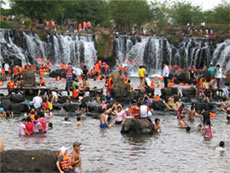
(42, 73)
(106, 66)
(75, 93)
(47, 23)
(3, 71)
(135, 111)
(43, 82)
(79, 26)
(157, 98)
(66, 162)
(120, 67)
(84, 24)
(1, 83)
(15, 70)
(88, 24)
(11, 84)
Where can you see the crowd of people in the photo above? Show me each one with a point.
(37, 119)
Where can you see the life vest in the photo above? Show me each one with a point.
(47, 23)
(110, 82)
(152, 83)
(135, 111)
(41, 72)
(157, 98)
(43, 82)
(84, 24)
(15, 70)
(11, 84)
(3, 71)
(75, 93)
(181, 84)
(53, 23)
(1, 83)
(106, 66)
(66, 162)
(120, 67)
(212, 115)
(125, 69)
(88, 24)
(170, 84)
(80, 26)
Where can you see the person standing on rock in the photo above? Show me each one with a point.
(212, 71)
(6, 68)
(141, 73)
(218, 75)
(165, 74)
(75, 156)
(69, 76)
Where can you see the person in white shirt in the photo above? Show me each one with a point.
(147, 80)
(218, 75)
(144, 111)
(37, 102)
(165, 74)
(6, 68)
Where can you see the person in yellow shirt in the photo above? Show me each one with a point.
(141, 73)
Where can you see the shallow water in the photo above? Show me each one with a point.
(107, 150)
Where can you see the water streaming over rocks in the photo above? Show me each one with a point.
(154, 51)
(23, 47)
(26, 47)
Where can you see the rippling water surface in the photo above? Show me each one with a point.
(107, 150)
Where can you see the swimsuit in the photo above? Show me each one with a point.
(103, 126)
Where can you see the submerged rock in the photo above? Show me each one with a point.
(17, 98)
(28, 161)
(137, 126)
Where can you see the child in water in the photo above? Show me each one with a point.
(79, 122)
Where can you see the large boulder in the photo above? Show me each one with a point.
(59, 73)
(182, 77)
(167, 92)
(17, 98)
(29, 79)
(94, 107)
(137, 126)
(120, 89)
(18, 108)
(71, 107)
(28, 161)
(158, 105)
(189, 92)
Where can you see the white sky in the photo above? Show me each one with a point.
(205, 4)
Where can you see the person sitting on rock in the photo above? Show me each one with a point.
(145, 111)
(157, 126)
(42, 82)
(64, 161)
(179, 103)
(135, 111)
(10, 86)
(224, 105)
(171, 105)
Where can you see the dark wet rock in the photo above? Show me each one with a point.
(167, 92)
(182, 77)
(3, 77)
(29, 78)
(28, 161)
(120, 89)
(203, 105)
(189, 92)
(206, 75)
(59, 73)
(17, 98)
(18, 108)
(186, 99)
(94, 107)
(5, 103)
(71, 107)
(57, 106)
(62, 99)
(137, 126)
(93, 93)
(158, 105)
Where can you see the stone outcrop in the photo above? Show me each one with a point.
(29, 78)
(167, 92)
(182, 77)
(137, 126)
(28, 161)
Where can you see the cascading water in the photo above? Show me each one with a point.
(154, 51)
(57, 48)
(221, 55)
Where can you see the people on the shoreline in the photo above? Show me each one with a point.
(165, 74)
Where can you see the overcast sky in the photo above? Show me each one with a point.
(205, 4)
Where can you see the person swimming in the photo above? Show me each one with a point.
(79, 122)
(221, 146)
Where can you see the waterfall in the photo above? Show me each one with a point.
(154, 51)
(221, 55)
(26, 47)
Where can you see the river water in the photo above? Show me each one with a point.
(107, 150)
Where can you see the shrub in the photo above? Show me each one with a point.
(5, 25)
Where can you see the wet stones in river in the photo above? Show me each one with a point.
(29, 78)
(93, 115)
(57, 106)
(62, 99)
(28, 161)
(59, 73)
(18, 108)
(158, 105)
(189, 92)
(203, 105)
(5, 103)
(182, 77)
(71, 107)
(133, 126)
(17, 98)
(167, 92)
(94, 107)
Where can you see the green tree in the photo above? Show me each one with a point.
(127, 14)
(184, 12)
(222, 13)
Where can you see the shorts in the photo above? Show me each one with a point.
(103, 126)
(118, 122)
(7, 72)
